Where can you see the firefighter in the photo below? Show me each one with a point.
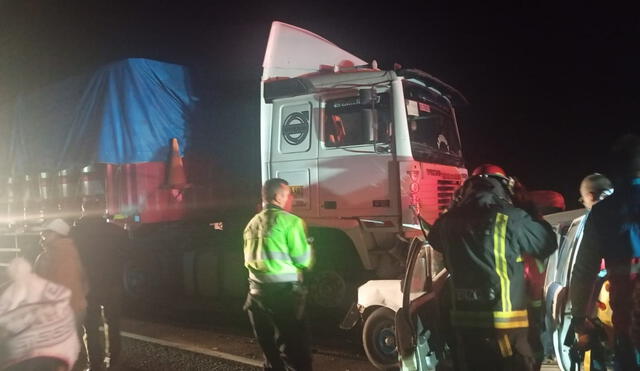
(612, 233)
(534, 274)
(483, 239)
(276, 253)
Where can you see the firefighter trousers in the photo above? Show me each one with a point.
(493, 350)
(276, 312)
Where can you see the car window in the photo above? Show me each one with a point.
(419, 277)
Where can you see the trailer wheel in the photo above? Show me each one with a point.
(379, 339)
(136, 280)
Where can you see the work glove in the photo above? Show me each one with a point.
(584, 328)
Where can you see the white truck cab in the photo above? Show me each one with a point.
(360, 147)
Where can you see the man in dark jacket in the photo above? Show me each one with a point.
(612, 233)
(101, 245)
(482, 239)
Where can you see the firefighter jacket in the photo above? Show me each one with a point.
(483, 240)
(276, 247)
(612, 233)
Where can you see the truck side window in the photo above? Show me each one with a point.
(419, 278)
(344, 129)
(344, 124)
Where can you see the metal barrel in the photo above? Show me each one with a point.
(46, 190)
(3, 204)
(45, 186)
(30, 201)
(9, 202)
(66, 184)
(68, 201)
(92, 182)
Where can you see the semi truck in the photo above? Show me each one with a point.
(360, 146)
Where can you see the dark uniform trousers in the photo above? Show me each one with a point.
(277, 314)
(493, 350)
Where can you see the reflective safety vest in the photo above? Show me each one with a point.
(276, 248)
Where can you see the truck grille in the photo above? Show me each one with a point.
(446, 188)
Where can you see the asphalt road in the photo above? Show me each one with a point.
(173, 339)
(223, 344)
(152, 346)
(144, 356)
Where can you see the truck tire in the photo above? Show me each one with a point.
(327, 288)
(379, 339)
(333, 282)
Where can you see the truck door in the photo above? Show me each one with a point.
(294, 151)
(354, 164)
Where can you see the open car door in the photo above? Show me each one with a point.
(570, 226)
(422, 322)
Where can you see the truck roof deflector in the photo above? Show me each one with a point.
(293, 51)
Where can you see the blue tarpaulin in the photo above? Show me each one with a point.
(125, 112)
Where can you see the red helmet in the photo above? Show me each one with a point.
(489, 169)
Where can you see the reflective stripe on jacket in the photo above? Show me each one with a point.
(276, 247)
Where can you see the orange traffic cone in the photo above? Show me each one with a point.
(176, 177)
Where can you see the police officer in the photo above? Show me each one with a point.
(483, 238)
(612, 233)
(276, 253)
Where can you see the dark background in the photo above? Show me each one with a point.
(550, 86)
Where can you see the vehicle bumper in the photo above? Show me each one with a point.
(351, 318)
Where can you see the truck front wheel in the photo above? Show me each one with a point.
(327, 289)
(379, 339)
(338, 272)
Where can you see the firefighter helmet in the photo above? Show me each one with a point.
(489, 169)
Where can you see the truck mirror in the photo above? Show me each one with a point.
(370, 123)
(367, 96)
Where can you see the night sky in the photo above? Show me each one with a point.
(550, 87)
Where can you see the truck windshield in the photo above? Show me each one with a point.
(432, 130)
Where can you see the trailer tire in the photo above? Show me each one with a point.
(379, 339)
(136, 280)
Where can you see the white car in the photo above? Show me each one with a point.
(380, 304)
(569, 226)
(388, 328)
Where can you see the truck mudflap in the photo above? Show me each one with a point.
(351, 318)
